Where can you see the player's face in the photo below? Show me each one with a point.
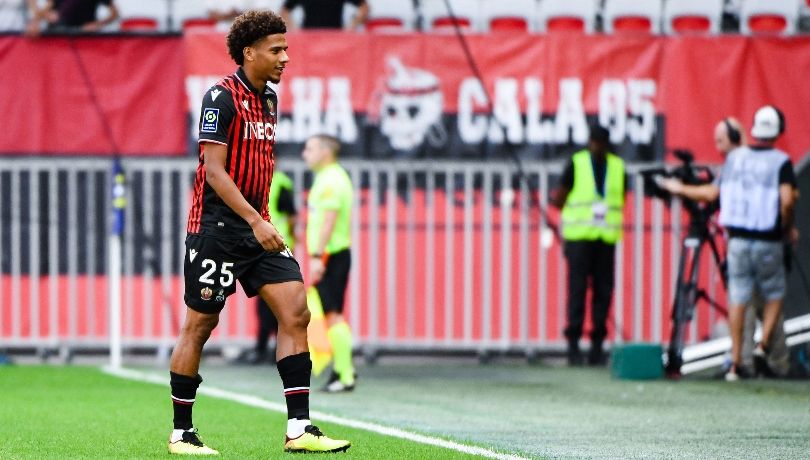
(314, 153)
(270, 57)
(721, 140)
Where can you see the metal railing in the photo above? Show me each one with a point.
(447, 256)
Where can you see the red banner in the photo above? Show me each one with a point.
(651, 91)
(93, 95)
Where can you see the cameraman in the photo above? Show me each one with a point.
(728, 135)
(756, 188)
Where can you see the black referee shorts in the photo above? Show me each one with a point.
(332, 287)
(213, 264)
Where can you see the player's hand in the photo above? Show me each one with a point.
(316, 269)
(267, 235)
(671, 185)
(793, 236)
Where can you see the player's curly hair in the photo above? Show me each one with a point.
(250, 27)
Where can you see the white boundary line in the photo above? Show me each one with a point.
(254, 401)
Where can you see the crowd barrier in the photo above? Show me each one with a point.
(448, 256)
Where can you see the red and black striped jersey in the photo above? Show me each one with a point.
(243, 118)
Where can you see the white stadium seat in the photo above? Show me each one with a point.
(387, 16)
(693, 16)
(135, 14)
(633, 16)
(436, 18)
(509, 15)
(769, 16)
(567, 15)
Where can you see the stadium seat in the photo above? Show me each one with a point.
(437, 18)
(693, 16)
(633, 16)
(567, 15)
(509, 15)
(182, 10)
(136, 13)
(198, 23)
(769, 16)
(138, 25)
(388, 16)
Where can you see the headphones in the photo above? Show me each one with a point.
(781, 119)
(734, 134)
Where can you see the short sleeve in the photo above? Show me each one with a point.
(216, 115)
(786, 174)
(567, 177)
(286, 202)
(329, 197)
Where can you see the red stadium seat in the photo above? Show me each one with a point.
(444, 23)
(769, 16)
(384, 25)
(199, 23)
(767, 23)
(693, 16)
(633, 16)
(565, 24)
(632, 24)
(567, 16)
(508, 15)
(138, 25)
(506, 24)
(382, 13)
(437, 17)
(688, 24)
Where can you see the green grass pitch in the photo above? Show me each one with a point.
(530, 411)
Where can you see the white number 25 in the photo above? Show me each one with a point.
(227, 276)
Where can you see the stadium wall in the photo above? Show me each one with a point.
(410, 95)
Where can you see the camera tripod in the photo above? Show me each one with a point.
(687, 293)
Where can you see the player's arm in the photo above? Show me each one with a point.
(285, 11)
(788, 194)
(360, 17)
(112, 16)
(564, 188)
(704, 192)
(317, 265)
(219, 180)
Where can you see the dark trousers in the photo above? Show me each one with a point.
(589, 262)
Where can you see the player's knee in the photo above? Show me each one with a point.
(200, 326)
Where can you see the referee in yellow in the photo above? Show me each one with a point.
(591, 195)
(328, 243)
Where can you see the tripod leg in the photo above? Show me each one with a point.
(684, 303)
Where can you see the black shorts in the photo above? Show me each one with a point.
(212, 265)
(332, 287)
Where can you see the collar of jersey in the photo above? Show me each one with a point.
(242, 77)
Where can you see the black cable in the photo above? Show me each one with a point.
(118, 200)
(491, 116)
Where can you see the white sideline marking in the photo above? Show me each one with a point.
(254, 401)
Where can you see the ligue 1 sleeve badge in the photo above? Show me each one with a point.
(206, 293)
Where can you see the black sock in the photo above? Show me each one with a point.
(184, 391)
(295, 371)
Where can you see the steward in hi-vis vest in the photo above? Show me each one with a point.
(591, 194)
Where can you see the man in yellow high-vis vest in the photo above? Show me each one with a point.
(591, 194)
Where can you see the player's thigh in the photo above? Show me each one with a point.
(288, 302)
(211, 267)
